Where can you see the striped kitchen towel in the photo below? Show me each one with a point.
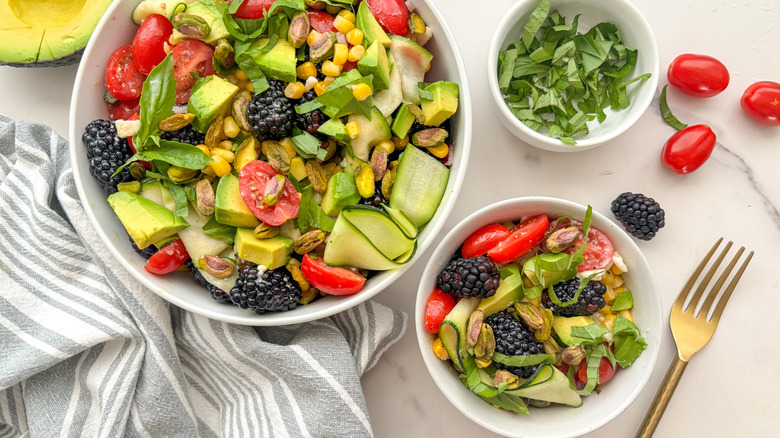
(86, 350)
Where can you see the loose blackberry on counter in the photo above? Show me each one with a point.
(641, 216)
(186, 134)
(271, 114)
(589, 302)
(513, 339)
(218, 294)
(469, 277)
(266, 291)
(106, 153)
(311, 121)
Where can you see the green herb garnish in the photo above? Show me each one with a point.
(623, 301)
(666, 113)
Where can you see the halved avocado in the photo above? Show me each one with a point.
(47, 34)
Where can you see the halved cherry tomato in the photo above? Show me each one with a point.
(190, 56)
(524, 237)
(124, 109)
(123, 80)
(321, 21)
(251, 184)
(761, 101)
(698, 75)
(148, 46)
(392, 15)
(606, 371)
(168, 258)
(350, 65)
(483, 240)
(330, 279)
(439, 305)
(253, 9)
(688, 148)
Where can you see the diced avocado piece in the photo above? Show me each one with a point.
(554, 390)
(210, 100)
(147, 222)
(278, 63)
(273, 252)
(510, 290)
(412, 61)
(372, 131)
(342, 191)
(419, 185)
(335, 128)
(562, 326)
(211, 15)
(229, 207)
(351, 163)
(374, 62)
(403, 121)
(510, 269)
(372, 31)
(248, 151)
(338, 99)
(443, 105)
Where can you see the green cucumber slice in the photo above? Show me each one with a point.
(419, 185)
(554, 390)
(380, 229)
(404, 223)
(452, 331)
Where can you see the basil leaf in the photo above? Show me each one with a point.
(307, 107)
(506, 65)
(521, 361)
(595, 353)
(308, 146)
(244, 60)
(666, 113)
(593, 333)
(179, 197)
(220, 231)
(534, 22)
(623, 301)
(318, 218)
(422, 92)
(175, 153)
(303, 210)
(509, 402)
(628, 341)
(157, 99)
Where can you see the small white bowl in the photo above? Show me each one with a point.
(116, 29)
(635, 31)
(554, 421)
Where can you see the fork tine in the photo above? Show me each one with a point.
(706, 280)
(727, 294)
(678, 303)
(713, 293)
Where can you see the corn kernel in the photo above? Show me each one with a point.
(416, 24)
(230, 127)
(609, 322)
(329, 68)
(319, 88)
(356, 52)
(440, 151)
(219, 166)
(244, 85)
(615, 270)
(225, 145)
(608, 278)
(606, 310)
(306, 70)
(439, 350)
(610, 295)
(208, 172)
(218, 153)
(312, 37)
(241, 75)
(288, 147)
(340, 52)
(328, 80)
(355, 37)
(361, 91)
(343, 25)
(204, 148)
(387, 145)
(619, 290)
(250, 87)
(353, 130)
(626, 314)
(347, 15)
(535, 301)
(618, 281)
(298, 168)
(294, 90)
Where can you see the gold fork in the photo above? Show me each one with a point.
(691, 330)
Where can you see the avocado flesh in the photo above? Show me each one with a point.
(212, 16)
(279, 63)
(229, 206)
(375, 63)
(443, 105)
(510, 290)
(209, 101)
(53, 33)
(273, 252)
(342, 191)
(372, 31)
(145, 221)
(563, 325)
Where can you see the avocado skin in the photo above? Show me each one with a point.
(73, 58)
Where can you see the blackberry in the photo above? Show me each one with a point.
(467, 278)
(271, 114)
(269, 291)
(146, 252)
(639, 215)
(311, 121)
(218, 294)
(513, 339)
(377, 199)
(590, 299)
(187, 134)
(106, 153)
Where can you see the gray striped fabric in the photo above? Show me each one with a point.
(85, 350)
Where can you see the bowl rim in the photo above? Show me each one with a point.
(542, 141)
(339, 304)
(473, 222)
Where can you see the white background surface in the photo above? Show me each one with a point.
(731, 387)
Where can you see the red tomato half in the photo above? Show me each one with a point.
(439, 305)
(124, 109)
(190, 56)
(330, 279)
(251, 183)
(253, 9)
(761, 101)
(392, 15)
(149, 43)
(321, 21)
(168, 258)
(698, 75)
(524, 237)
(483, 240)
(606, 371)
(123, 80)
(688, 148)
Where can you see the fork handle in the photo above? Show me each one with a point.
(662, 398)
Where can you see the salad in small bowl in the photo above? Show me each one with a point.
(543, 308)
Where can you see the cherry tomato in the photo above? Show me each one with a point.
(190, 56)
(392, 15)
(330, 279)
(321, 21)
(688, 148)
(761, 101)
(524, 237)
(698, 75)
(123, 80)
(439, 305)
(253, 9)
(124, 109)
(168, 258)
(251, 183)
(350, 65)
(606, 371)
(148, 46)
(482, 240)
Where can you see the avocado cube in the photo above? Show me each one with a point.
(443, 105)
(211, 15)
(211, 99)
(229, 206)
(335, 128)
(510, 290)
(342, 191)
(147, 222)
(272, 253)
(278, 63)
(375, 63)
(404, 119)
(372, 31)
(563, 325)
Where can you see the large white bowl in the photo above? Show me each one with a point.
(634, 30)
(555, 421)
(116, 29)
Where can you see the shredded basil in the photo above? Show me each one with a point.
(628, 341)
(623, 301)
(666, 113)
(522, 360)
(220, 231)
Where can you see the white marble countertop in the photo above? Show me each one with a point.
(730, 388)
